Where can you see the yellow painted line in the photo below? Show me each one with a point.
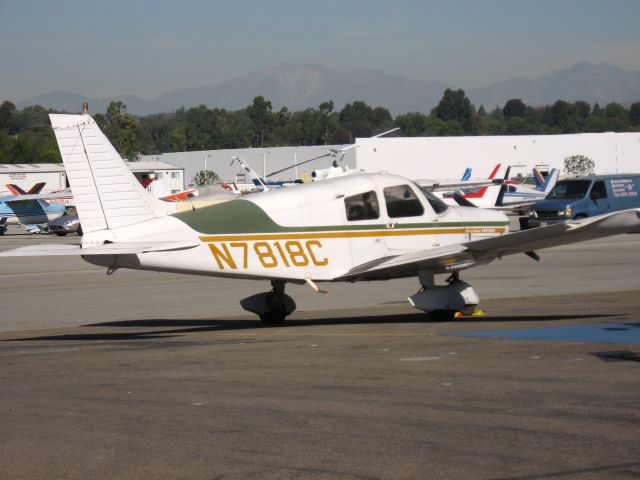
(350, 234)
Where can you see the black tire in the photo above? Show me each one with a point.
(580, 215)
(442, 315)
(61, 234)
(274, 317)
(79, 231)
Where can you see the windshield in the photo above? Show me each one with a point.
(438, 205)
(570, 189)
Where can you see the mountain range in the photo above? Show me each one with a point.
(298, 86)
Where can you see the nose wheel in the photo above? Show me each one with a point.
(272, 307)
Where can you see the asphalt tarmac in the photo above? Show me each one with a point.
(143, 375)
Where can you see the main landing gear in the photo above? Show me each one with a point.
(272, 307)
(442, 302)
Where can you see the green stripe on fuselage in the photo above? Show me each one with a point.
(243, 216)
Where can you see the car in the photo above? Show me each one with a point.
(586, 196)
(66, 224)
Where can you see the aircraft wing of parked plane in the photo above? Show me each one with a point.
(466, 254)
(449, 185)
(364, 226)
(29, 210)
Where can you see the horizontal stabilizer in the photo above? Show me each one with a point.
(124, 248)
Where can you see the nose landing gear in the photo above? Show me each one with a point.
(272, 307)
(442, 302)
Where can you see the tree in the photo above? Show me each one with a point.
(617, 117)
(560, 115)
(514, 108)
(6, 111)
(454, 105)
(412, 124)
(205, 177)
(456, 111)
(634, 113)
(261, 115)
(326, 110)
(121, 129)
(579, 165)
(360, 120)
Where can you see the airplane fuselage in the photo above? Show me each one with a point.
(315, 231)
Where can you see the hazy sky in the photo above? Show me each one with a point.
(147, 48)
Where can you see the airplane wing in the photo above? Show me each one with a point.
(435, 186)
(460, 256)
(37, 196)
(124, 248)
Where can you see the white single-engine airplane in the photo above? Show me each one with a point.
(365, 226)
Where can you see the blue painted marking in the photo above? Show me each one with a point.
(594, 333)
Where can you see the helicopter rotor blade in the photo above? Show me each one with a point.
(332, 153)
(385, 133)
(298, 164)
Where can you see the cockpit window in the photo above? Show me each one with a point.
(437, 204)
(363, 206)
(402, 201)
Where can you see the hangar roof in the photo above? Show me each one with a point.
(31, 167)
(145, 166)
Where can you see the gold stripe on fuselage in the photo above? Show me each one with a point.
(247, 237)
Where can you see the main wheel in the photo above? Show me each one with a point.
(442, 315)
(273, 317)
(79, 231)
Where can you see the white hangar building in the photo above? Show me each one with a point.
(448, 157)
(27, 174)
(262, 160)
(425, 157)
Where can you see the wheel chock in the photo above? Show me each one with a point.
(476, 313)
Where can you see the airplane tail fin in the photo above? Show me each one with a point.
(34, 190)
(467, 174)
(37, 188)
(107, 195)
(495, 171)
(539, 179)
(551, 180)
(15, 189)
(494, 195)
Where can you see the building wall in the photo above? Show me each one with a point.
(262, 160)
(447, 157)
(26, 179)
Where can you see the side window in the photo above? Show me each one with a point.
(402, 201)
(363, 206)
(599, 190)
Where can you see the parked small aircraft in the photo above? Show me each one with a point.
(30, 210)
(365, 226)
(520, 195)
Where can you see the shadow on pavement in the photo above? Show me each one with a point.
(167, 328)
